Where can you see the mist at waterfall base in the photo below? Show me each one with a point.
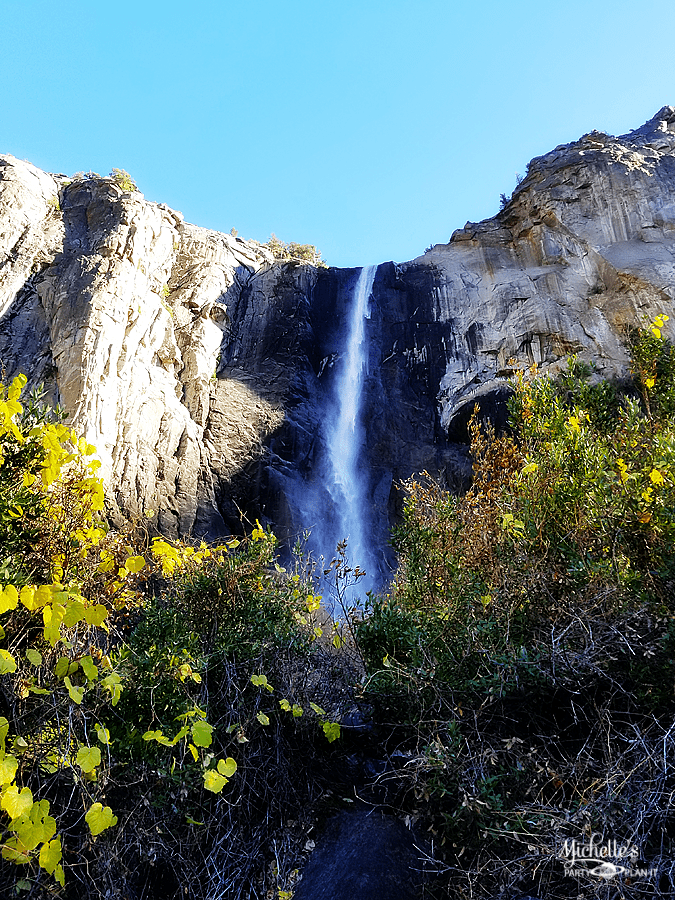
(334, 502)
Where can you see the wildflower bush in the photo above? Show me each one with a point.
(524, 655)
(127, 659)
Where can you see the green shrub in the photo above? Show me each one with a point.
(124, 180)
(306, 253)
(524, 653)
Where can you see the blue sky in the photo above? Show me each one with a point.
(371, 129)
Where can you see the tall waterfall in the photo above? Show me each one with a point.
(346, 481)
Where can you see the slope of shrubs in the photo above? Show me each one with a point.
(161, 704)
(523, 660)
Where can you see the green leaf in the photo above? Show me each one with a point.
(227, 767)
(76, 693)
(102, 734)
(96, 615)
(36, 827)
(285, 705)
(113, 683)
(34, 657)
(89, 668)
(7, 662)
(262, 718)
(88, 758)
(61, 667)
(202, 734)
(74, 613)
(261, 681)
(318, 710)
(331, 730)
(99, 817)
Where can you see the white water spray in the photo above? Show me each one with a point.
(344, 437)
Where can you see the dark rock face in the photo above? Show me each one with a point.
(294, 363)
(363, 855)
(204, 371)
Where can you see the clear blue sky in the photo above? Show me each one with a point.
(371, 129)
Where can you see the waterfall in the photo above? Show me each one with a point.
(344, 435)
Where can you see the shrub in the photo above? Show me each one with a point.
(306, 253)
(523, 655)
(124, 180)
(131, 661)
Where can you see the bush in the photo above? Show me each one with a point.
(124, 180)
(524, 653)
(181, 671)
(305, 253)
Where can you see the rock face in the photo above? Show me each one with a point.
(202, 369)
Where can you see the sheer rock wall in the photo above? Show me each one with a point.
(202, 369)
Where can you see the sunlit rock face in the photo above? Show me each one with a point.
(205, 372)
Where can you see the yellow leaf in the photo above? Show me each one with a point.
(53, 616)
(9, 598)
(8, 767)
(263, 719)
(16, 802)
(99, 817)
(88, 758)
(50, 857)
(134, 564)
(102, 734)
(213, 781)
(76, 693)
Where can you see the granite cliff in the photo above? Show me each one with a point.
(201, 367)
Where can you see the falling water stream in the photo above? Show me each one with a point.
(346, 480)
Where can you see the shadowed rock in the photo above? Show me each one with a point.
(363, 855)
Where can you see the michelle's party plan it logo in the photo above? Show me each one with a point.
(602, 858)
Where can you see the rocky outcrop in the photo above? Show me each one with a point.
(203, 370)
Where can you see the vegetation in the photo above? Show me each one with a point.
(124, 180)
(524, 658)
(170, 713)
(140, 681)
(296, 253)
